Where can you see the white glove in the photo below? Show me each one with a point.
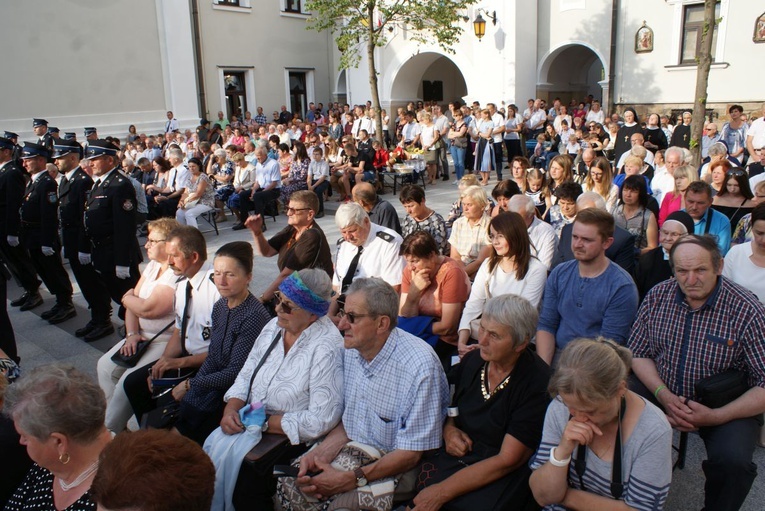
(123, 272)
(84, 258)
(13, 241)
(47, 251)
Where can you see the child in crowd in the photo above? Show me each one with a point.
(565, 135)
(535, 179)
(318, 177)
(541, 150)
(572, 147)
(380, 160)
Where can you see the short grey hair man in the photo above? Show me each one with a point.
(544, 242)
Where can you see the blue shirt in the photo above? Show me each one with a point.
(399, 399)
(719, 227)
(619, 181)
(574, 306)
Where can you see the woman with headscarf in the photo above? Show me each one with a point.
(622, 141)
(295, 372)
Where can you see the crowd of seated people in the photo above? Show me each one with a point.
(553, 313)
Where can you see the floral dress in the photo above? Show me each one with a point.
(223, 191)
(297, 180)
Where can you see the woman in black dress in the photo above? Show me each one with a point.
(496, 418)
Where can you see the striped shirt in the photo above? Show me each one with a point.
(646, 459)
(688, 345)
(399, 399)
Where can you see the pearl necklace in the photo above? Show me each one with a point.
(485, 385)
(87, 473)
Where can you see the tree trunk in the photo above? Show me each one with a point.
(373, 72)
(702, 81)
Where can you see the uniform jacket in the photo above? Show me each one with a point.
(39, 213)
(73, 195)
(12, 185)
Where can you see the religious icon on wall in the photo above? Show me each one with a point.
(759, 29)
(644, 39)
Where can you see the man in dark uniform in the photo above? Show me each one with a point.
(13, 137)
(55, 133)
(12, 184)
(39, 232)
(40, 127)
(73, 195)
(70, 135)
(90, 134)
(110, 222)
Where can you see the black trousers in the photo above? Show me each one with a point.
(137, 391)
(498, 146)
(117, 287)
(7, 337)
(319, 191)
(52, 272)
(167, 208)
(20, 265)
(93, 290)
(257, 201)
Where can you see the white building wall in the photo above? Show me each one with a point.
(263, 41)
(91, 63)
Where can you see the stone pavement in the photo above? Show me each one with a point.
(40, 343)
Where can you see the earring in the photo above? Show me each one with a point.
(64, 458)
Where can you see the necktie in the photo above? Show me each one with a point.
(185, 318)
(351, 271)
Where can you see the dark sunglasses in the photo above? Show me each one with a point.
(352, 316)
(287, 307)
(735, 172)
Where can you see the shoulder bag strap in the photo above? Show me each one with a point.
(708, 221)
(262, 361)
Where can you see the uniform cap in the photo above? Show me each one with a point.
(39, 122)
(98, 148)
(63, 147)
(32, 150)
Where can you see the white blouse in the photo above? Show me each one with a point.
(305, 385)
(150, 327)
(501, 283)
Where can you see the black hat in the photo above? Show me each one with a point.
(53, 129)
(39, 122)
(683, 218)
(90, 131)
(10, 134)
(63, 147)
(98, 148)
(32, 150)
(69, 135)
(6, 143)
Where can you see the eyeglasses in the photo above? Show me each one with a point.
(669, 234)
(352, 316)
(735, 172)
(150, 241)
(292, 211)
(287, 307)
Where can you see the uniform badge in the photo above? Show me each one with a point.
(206, 333)
(52, 197)
(127, 205)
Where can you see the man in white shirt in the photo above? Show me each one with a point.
(496, 137)
(410, 134)
(265, 189)
(663, 180)
(172, 123)
(536, 120)
(544, 242)
(441, 123)
(755, 137)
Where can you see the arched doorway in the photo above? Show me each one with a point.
(572, 70)
(428, 76)
(341, 88)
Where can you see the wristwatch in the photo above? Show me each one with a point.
(361, 478)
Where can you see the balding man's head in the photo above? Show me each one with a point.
(524, 206)
(364, 194)
(588, 155)
(590, 200)
(637, 139)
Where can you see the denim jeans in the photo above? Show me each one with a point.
(458, 155)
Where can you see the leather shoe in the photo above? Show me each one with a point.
(18, 302)
(238, 226)
(82, 332)
(50, 312)
(98, 332)
(65, 312)
(33, 301)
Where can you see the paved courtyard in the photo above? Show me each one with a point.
(40, 343)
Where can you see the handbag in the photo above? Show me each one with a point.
(129, 361)
(720, 389)
(190, 204)
(375, 496)
(166, 413)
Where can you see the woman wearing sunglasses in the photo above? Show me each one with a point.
(734, 199)
(300, 382)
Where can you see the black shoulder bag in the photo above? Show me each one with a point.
(129, 361)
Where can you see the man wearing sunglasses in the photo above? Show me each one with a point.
(396, 396)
